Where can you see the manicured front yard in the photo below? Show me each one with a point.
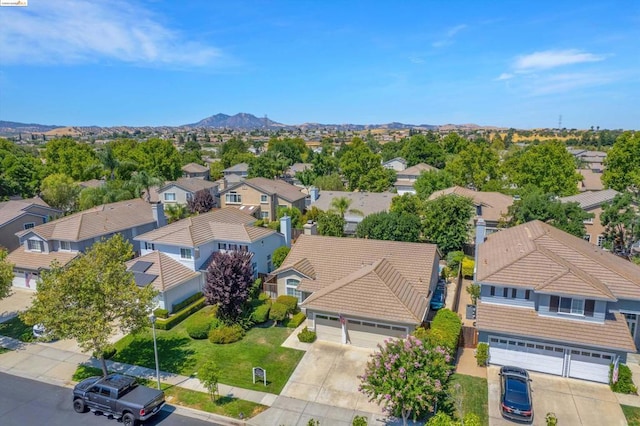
(179, 353)
(632, 414)
(475, 395)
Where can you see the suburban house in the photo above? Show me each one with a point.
(184, 189)
(490, 206)
(195, 170)
(235, 174)
(593, 160)
(173, 281)
(19, 215)
(358, 291)
(262, 195)
(407, 177)
(591, 180)
(552, 302)
(362, 204)
(190, 242)
(592, 202)
(290, 174)
(398, 164)
(63, 239)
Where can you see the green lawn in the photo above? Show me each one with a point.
(474, 395)
(226, 406)
(178, 353)
(4, 350)
(17, 329)
(632, 414)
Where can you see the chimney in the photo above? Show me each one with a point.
(158, 214)
(310, 228)
(314, 193)
(481, 232)
(285, 229)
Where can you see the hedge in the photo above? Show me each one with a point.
(445, 330)
(226, 334)
(624, 383)
(296, 320)
(161, 313)
(178, 317)
(307, 336)
(186, 302)
(291, 302)
(482, 354)
(261, 313)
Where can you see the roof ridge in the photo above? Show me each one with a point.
(531, 251)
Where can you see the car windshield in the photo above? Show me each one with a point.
(516, 393)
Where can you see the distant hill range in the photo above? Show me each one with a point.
(240, 121)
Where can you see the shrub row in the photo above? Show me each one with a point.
(624, 383)
(261, 313)
(173, 320)
(186, 302)
(445, 330)
(278, 312)
(226, 334)
(291, 302)
(307, 336)
(161, 313)
(296, 320)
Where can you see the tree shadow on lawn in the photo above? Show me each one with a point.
(174, 353)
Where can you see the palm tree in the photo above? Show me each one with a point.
(142, 182)
(341, 206)
(175, 212)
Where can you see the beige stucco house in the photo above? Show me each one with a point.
(593, 202)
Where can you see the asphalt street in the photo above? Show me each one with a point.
(25, 402)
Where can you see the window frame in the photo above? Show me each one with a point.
(264, 199)
(237, 198)
(39, 245)
(289, 285)
(28, 225)
(183, 253)
(68, 248)
(166, 198)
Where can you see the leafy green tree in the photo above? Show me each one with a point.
(141, 184)
(92, 297)
(453, 143)
(60, 192)
(363, 169)
(431, 181)
(331, 224)
(621, 219)
(191, 153)
(331, 182)
(110, 192)
(294, 213)
(447, 221)
(6, 274)
(536, 205)
(216, 170)
(324, 163)
(158, 157)
(391, 150)
(306, 177)
(209, 376)
(390, 226)
(406, 203)
(548, 166)
(622, 165)
(407, 377)
(279, 255)
(20, 171)
(75, 159)
(423, 149)
(295, 150)
(474, 166)
(269, 165)
(234, 151)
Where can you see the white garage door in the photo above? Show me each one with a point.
(529, 355)
(361, 333)
(590, 365)
(328, 328)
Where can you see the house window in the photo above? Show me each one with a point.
(243, 247)
(505, 292)
(169, 196)
(568, 305)
(514, 293)
(29, 225)
(527, 294)
(149, 246)
(233, 247)
(233, 198)
(586, 237)
(589, 307)
(264, 215)
(222, 246)
(554, 301)
(292, 288)
(35, 245)
(65, 245)
(185, 253)
(264, 199)
(189, 196)
(492, 290)
(600, 240)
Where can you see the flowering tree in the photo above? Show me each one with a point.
(407, 377)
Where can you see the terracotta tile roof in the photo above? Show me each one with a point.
(612, 334)
(416, 170)
(169, 272)
(12, 209)
(376, 291)
(537, 255)
(328, 261)
(222, 224)
(494, 204)
(590, 199)
(284, 190)
(194, 168)
(189, 184)
(366, 202)
(96, 221)
(23, 259)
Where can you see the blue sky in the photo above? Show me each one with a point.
(152, 62)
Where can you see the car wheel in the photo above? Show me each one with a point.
(128, 420)
(78, 406)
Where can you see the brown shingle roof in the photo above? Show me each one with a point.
(591, 199)
(96, 221)
(23, 259)
(612, 334)
(189, 184)
(284, 190)
(169, 272)
(539, 256)
(416, 170)
(10, 210)
(223, 224)
(194, 168)
(494, 204)
(375, 291)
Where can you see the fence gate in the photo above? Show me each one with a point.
(469, 337)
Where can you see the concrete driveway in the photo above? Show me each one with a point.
(327, 374)
(575, 402)
(18, 301)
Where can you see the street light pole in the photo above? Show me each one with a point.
(152, 317)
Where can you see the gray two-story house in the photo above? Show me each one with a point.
(553, 303)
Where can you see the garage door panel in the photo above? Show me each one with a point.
(531, 361)
(590, 367)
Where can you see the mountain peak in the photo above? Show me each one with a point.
(241, 120)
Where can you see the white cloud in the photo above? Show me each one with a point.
(84, 31)
(448, 36)
(561, 83)
(553, 58)
(505, 76)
